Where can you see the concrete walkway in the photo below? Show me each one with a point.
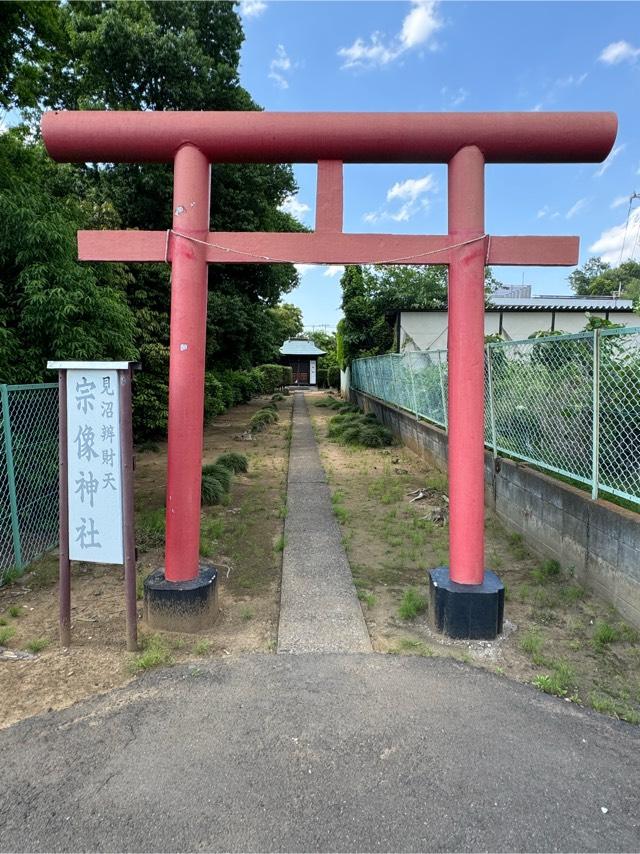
(319, 609)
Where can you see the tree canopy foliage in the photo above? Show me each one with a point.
(598, 278)
(138, 56)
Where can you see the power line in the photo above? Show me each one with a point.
(633, 196)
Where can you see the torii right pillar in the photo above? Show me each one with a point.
(467, 601)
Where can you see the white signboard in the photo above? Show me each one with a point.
(95, 472)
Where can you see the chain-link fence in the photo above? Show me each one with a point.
(567, 403)
(28, 473)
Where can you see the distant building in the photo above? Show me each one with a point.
(513, 318)
(301, 354)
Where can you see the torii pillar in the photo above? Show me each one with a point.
(467, 600)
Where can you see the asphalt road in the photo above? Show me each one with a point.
(321, 753)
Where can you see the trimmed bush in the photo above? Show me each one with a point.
(287, 375)
(220, 473)
(352, 428)
(234, 461)
(212, 491)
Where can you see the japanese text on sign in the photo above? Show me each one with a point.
(94, 471)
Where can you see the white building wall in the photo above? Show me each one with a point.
(427, 330)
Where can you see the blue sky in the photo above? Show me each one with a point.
(434, 56)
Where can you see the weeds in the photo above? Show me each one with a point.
(150, 529)
(368, 598)
(557, 683)
(617, 708)
(37, 645)
(246, 614)
(415, 647)
(6, 633)
(16, 611)
(262, 418)
(203, 647)
(154, 653)
(547, 570)
(413, 603)
(532, 642)
(281, 542)
(353, 428)
(603, 635)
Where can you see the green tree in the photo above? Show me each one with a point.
(51, 306)
(598, 278)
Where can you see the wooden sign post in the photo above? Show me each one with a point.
(96, 478)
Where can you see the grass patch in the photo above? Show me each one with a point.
(246, 614)
(210, 533)
(603, 635)
(16, 611)
(532, 643)
(517, 547)
(203, 647)
(150, 529)
(414, 647)
(546, 571)
(413, 603)
(617, 708)
(281, 542)
(558, 682)
(6, 633)
(262, 418)
(37, 645)
(368, 598)
(155, 653)
(218, 472)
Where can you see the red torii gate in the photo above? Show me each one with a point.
(192, 140)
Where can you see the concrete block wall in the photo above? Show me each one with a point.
(598, 539)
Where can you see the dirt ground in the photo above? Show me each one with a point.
(557, 635)
(242, 537)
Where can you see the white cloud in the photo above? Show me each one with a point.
(279, 66)
(413, 195)
(618, 52)
(610, 243)
(454, 98)
(580, 205)
(619, 201)
(546, 212)
(571, 80)
(292, 205)
(536, 109)
(418, 28)
(303, 269)
(411, 188)
(252, 8)
(607, 163)
(334, 270)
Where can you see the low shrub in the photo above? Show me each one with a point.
(354, 428)
(273, 377)
(234, 461)
(211, 491)
(262, 418)
(220, 473)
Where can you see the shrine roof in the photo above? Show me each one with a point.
(300, 347)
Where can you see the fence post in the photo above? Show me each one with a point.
(492, 419)
(444, 397)
(595, 437)
(11, 477)
(413, 384)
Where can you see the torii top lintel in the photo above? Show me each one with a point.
(328, 139)
(265, 137)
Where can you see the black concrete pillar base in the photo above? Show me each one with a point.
(472, 611)
(181, 606)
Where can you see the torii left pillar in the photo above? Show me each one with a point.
(183, 596)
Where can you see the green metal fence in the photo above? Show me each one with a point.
(567, 403)
(28, 473)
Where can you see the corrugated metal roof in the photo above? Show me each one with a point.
(300, 347)
(563, 303)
